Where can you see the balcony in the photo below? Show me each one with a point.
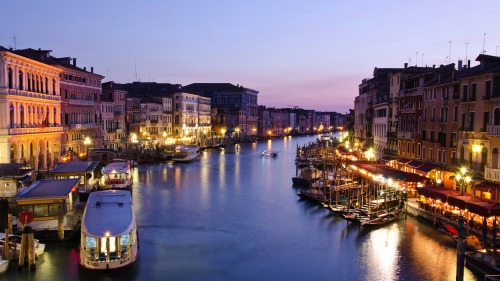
(33, 95)
(414, 91)
(81, 102)
(37, 130)
(493, 131)
(406, 135)
(492, 174)
(85, 126)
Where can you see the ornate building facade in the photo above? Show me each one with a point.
(30, 110)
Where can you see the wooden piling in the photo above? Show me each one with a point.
(6, 245)
(31, 251)
(23, 250)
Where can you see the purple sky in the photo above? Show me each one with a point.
(311, 54)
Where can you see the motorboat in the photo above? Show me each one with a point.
(116, 175)
(271, 153)
(4, 265)
(13, 238)
(109, 237)
(186, 153)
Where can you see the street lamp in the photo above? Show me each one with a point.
(462, 179)
(87, 141)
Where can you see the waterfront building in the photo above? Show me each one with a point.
(113, 116)
(133, 117)
(167, 117)
(186, 114)
(204, 118)
(80, 93)
(151, 121)
(30, 106)
(229, 95)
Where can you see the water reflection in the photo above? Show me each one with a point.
(235, 216)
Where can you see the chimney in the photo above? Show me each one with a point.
(468, 64)
(74, 61)
(91, 69)
(406, 65)
(459, 65)
(433, 66)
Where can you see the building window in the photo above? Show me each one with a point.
(10, 78)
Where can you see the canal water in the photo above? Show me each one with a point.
(234, 215)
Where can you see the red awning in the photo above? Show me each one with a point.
(485, 208)
(403, 160)
(485, 186)
(437, 193)
(414, 164)
(426, 168)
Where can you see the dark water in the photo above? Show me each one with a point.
(237, 217)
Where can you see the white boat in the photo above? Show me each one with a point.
(133, 163)
(269, 153)
(109, 237)
(186, 153)
(39, 247)
(4, 265)
(116, 175)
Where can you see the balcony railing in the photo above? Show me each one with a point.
(84, 126)
(33, 95)
(37, 130)
(81, 102)
(493, 131)
(492, 174)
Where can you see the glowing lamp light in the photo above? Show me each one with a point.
(476, 148)
(107, 234)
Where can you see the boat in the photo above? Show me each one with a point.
(116, 175)
(186, 153)
(109, 237)
(483, 261)
(271, 153)
(13, 238)
(133, 163)
(4, 265)
(382, 219)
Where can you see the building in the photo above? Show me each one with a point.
(30, 106)
(113, 101)
(227, 95)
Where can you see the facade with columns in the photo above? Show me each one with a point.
(30, 110)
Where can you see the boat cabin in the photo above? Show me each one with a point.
(85, 171)
(52, 202)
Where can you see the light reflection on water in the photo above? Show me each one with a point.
(236, 216)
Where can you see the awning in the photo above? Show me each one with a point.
(403, 160)
(426, 168)
(485, 208)
(437, 193)
(387, 158)
(487, 186)
(410, 177)
(461, 201)
(414, 164)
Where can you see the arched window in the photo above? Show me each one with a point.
(484, 157)
(496, 117)
(455, 114)
(10, 78)
(54, 117)
(433, 118)
(21, 114)
(462, 153)
(446, 114)
(46, 85)
(21, 82)
(29, 81)
(11, 116)
(54, 87)
(494, 158)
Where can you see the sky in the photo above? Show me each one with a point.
(307, 53)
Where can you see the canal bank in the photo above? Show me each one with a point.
(236, 216)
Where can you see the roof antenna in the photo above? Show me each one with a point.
(466, 44)
(484, 42)
(15, 42)
(135, 68)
